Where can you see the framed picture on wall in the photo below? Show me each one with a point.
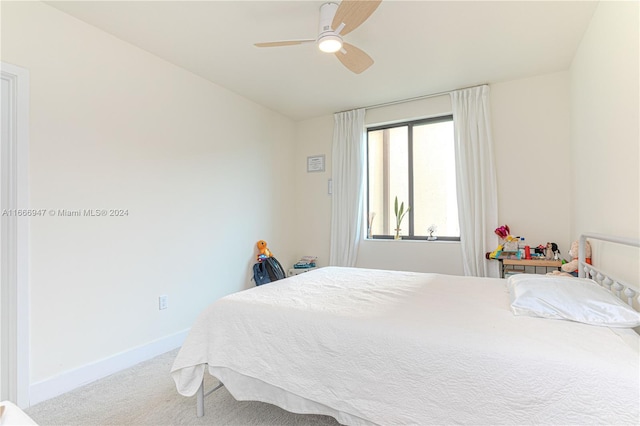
(315, 163)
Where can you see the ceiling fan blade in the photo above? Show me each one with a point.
(352, 13)
(353, 58)
(283, 43)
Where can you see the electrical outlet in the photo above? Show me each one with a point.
(163, 302)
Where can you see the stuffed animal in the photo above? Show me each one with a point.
(263, 251)
(551, 252)
(572, 266)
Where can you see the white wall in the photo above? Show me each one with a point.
(530, 120)
(605, 140)
(531, 130)
(312, 200)
(199, 169)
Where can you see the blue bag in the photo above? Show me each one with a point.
(260, 274)
(267, 271)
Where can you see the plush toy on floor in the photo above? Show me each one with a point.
(263, 251)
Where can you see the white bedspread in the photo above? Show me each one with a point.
(408, 348)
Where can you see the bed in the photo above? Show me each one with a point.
(12, 415)
(387, 347)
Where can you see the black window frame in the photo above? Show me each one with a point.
(410, 124)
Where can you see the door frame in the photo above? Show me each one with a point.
(15, 246)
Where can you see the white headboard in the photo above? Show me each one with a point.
(624, 291)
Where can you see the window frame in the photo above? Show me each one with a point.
(409, 124)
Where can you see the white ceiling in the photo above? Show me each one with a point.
(419, 47)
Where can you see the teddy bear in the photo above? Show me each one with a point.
(572, 266)
(263, 251)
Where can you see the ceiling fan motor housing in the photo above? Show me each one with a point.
(328, 39)
(327, 12)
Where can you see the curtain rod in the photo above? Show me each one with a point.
(417, 98)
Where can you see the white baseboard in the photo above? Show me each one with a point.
(72, 379)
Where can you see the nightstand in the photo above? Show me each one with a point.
(294, 271)
(521, 265)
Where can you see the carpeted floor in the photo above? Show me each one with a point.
(146, 395)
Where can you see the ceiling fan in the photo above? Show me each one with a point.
(337, 21)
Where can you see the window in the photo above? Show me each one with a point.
(414, 161)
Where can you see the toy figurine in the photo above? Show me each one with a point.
(263, 251)
(551, 251)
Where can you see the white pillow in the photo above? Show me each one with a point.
(573, 299)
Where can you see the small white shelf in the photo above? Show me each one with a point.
(294, 271)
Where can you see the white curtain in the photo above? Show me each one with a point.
(348, 186)
(476, 180)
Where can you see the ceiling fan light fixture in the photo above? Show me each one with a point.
(330, 43)
(336, 21)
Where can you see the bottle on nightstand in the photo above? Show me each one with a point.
(521, 248)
